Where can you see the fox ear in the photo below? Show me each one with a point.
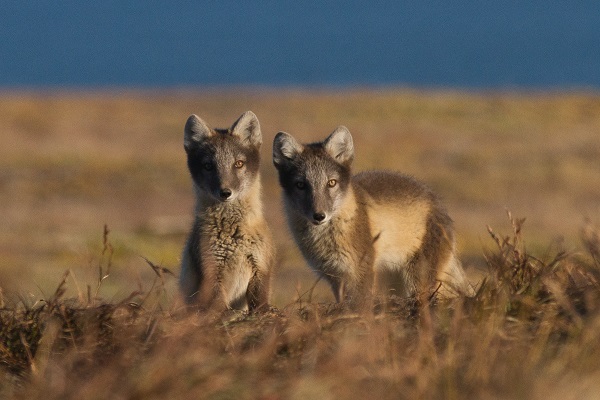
(195, 131)
(285, 148)
(339, 145)
(247, 129)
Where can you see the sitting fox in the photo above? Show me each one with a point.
(354, 230)
(229, 254)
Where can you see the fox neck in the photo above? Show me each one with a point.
(327, 247)
(247, 203)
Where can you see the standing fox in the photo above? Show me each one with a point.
(354, 229)
(229, 254)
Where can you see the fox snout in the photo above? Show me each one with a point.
(225, 194)
(219, 186)
(222, 187)
(319, 218)
(318, 208)
(225, 189)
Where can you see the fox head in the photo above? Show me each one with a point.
(223, 162)
(314, 177)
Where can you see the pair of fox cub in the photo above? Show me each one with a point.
(360, 233)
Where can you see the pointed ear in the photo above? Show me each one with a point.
(195, 131)
(285, 148)
(339, 145)
(247, 129)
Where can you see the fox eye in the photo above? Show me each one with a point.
(238, 164)
(331, 183)
(208, 166)
(300, 185)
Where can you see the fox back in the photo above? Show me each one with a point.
(229, 253)
(374, 227)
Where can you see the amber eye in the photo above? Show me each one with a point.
(332, 183)
(238, 164)
(300, 185)
(208, 166)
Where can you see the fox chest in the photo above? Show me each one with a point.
(227, 244)
(335, 248)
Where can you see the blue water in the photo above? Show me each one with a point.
(459, 43)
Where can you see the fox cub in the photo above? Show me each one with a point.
(229, 254)
(359, 231)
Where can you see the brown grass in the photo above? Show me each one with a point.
(530, 332)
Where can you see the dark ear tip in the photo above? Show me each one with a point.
(281, 134)
(192, 121)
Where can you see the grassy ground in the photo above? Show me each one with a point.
(530, 332)
(72, 162)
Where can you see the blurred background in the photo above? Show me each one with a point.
(493, 104)
(432, 43)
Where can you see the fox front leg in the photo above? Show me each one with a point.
(338, 287)
(257, 294)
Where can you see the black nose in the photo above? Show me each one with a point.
(319, 217)
(225, 193)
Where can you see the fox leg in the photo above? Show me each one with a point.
(337, 287)
(360, 296)
(211, 295)
(257, 294)
(190, 281)
(191, 277)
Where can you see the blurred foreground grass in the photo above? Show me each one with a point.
(72, 162)
(531, 332)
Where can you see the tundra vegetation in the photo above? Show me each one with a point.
(96, 200)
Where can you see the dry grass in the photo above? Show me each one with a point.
(72, 162)
(530, 332)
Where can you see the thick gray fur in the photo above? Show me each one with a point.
(374, 228)
(228, 258)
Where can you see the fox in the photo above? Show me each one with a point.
(358, 230)
(229, 254)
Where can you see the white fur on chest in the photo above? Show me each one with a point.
(229, 244)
